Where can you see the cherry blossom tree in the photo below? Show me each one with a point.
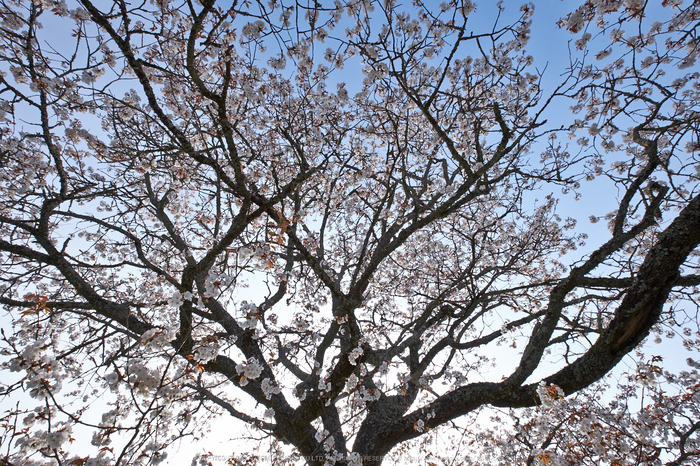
(337, 224)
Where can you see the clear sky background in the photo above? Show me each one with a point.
(550, 47)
